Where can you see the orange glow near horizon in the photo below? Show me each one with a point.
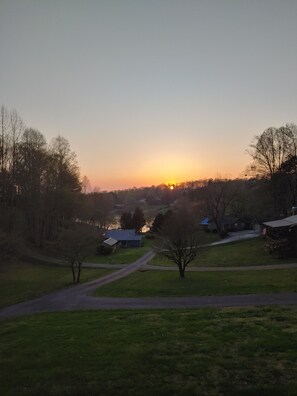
(122, 183)
(170, 170)
(171, 185)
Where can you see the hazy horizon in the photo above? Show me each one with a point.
(151, 92)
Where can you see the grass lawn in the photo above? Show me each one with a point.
(244, 253)
(122, 255)
(22, 281)
(227, 352)
(168, 283)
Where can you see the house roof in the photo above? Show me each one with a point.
(227, 220)
(110, 241)
(123, 235)
(290, 221)
(205, 221)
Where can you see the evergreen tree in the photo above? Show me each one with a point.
(126, 221)
(159, 220)
(157, 223)
(138, 220)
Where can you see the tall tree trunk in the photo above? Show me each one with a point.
(73, 272)
(78, 273)
(181, 271)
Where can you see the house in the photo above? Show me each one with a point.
(231, 223)
(281, 236)
(126, 238)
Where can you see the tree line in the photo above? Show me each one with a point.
(42, 193)
(39, 181)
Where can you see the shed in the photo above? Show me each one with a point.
(109, 245)
(111, 242)
(126, 238)
(287, 222)
(282, 236)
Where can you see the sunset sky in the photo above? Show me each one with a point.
(151, 91)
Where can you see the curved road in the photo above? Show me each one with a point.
(77, 297)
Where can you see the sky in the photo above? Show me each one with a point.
(151, 91)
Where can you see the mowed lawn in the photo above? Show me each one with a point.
(227, 352)
(168, 283)
(244, 253)
(23, 281)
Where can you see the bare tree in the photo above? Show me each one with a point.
(17, 128)
(219, 196)
(178, 239)
(4, 142)
(74, 246)
(85, 185)
(273, 148)
(62, 187)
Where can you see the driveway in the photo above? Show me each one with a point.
(232, 237)
(69, 301)
(237, 236)
(78, 297)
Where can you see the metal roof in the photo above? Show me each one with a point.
(110, 241)
(123, 235)
(290, 221)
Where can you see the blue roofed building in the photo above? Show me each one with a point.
(126, 238)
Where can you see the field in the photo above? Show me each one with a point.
(227, 352)
(168, 283)
(22, 281)
(217, 352)
(245, 253)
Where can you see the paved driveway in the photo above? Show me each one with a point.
(80, 301)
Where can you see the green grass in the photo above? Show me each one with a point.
(226, 352)
(208, 237)
(22, 281)
(122, 255)
(168, 283)
(245, 253)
